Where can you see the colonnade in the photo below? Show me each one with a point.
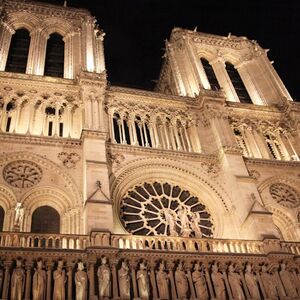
(137, 278)
(163, 132)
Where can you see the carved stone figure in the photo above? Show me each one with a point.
(103, 274)
(200, 283)
(143, 282)
(17, 281)
(185, 223)
(162, 280)
(195, 225)
(235, 282)
(218, 282)
(181, 282)
(81, 282)
(288, 282)
(268, 283)
(19, 214)
(251, 282)
(124, 281)
(60, 279)
(170, 218)
(39, 282)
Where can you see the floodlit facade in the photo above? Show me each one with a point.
(187, 192)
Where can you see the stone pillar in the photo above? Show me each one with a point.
(192, 288)
(68, 56)
(7, 265)
(49, 280)
(28, 281)
(171, 276)
(244, 285)
(100, 61)
(261, 285)
(209, 284)
(70, 266)
(153, 281)
(91, 276)
(134, 283)
(227, 284)
(111, 124)
(115, 279)
(6, 33)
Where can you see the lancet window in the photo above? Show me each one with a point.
(274, 146)
(18, 52)
(241, 140)
(210, 74)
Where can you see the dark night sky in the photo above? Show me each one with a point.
(136, 30)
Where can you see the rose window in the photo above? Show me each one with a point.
(284, 195)
(164, 209)
(22, 174)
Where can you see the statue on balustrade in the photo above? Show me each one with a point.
(103, 274)
(17, 281)
(195, 225)
(288, 282)
(143, 282)
(235, 282)
(171, 217)
(81, 282)
(60, 279)
(162, 279)
(200, 283)
(39, 282)
(124, 281)
(19, 215)
(181, 281)
(218, 282)
(185, 223)
(269, 283)
(251, 282)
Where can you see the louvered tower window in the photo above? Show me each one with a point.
(18, 52)
(210, 74)
(238, 83)
(54, 64)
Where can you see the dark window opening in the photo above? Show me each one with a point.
(18, 52)
(50, 111)
(2, 214)
(50, 128)
(148, 135)
(10, 106)
(138, 133)
(116, 129)
(210, 74)
(8, 123)
(54, 64)
(126, 129)
(45, 219)
(238, 83)
(61, 129)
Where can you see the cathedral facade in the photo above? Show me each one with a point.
(191, 191)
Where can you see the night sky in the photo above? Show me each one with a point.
(136, 30)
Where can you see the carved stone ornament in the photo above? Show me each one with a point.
(164, 209)
(69, 160)
(284, 195)
(22, 174)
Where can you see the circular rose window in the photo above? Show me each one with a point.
(164, 209)
(284, 195)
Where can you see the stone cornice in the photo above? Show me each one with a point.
(279, 163)
(35, 140)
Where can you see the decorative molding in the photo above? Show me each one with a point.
(69, 160)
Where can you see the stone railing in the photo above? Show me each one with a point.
(47, 241)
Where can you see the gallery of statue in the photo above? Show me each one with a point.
(191, 191)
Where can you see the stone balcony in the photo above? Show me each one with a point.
(153, 250)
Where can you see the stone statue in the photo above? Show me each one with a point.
(19, 215)
(124, 281)
(81, 282)
(181, 281)
(268, 283)
(162, 280)
(103, 274)
(235, 282)
(170, 219)
(200, 283)
(218, 282)
(17, 281)
(195, 225)
(143, 282)
(288, 282)
(185, 223)
(39, 282)
(60, 279)
(251, 282)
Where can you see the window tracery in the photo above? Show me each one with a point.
(164, 209)
(284, 195)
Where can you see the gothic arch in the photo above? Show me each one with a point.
(198, 183)
(25, 20)
(58, 25)
(278, 179)
(7, 202)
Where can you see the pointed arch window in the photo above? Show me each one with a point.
(210, 74)
(54, 64)
(237, 83)
(18, 52)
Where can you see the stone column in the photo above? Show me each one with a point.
(171, 275)
(261, 285)
(68, 56)
(209, 284)
(91, 276)
(49, 280)
(244, 284)
(115, 279)
(153, 281)
(134, 283)
(100, 61)
(6, 32)
(111, 124)
(227, 283)
(28, 281)
(7, 265)
(192, 288)
(70, 266)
